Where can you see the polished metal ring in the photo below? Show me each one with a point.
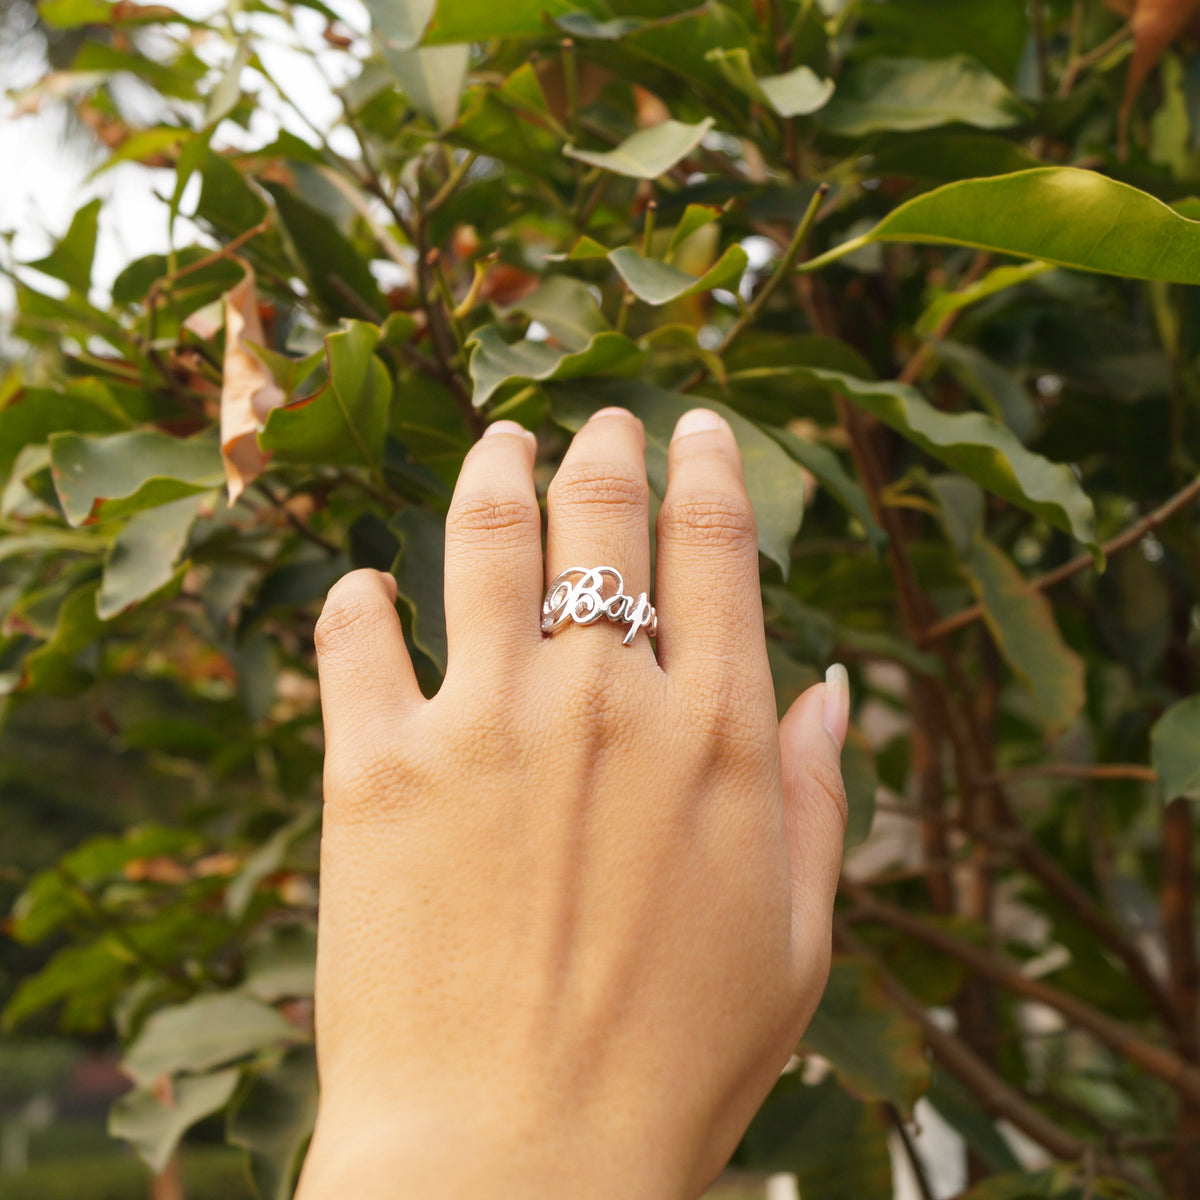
(578, 594)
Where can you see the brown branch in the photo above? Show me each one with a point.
(1153, 1059)
(1098, 772)
(1123, 541)
(994, 1093)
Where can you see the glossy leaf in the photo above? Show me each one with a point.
(273, 1120)
(478, 20)
(101, 477)
(344, 422)
(144, 555)
(1175, 749)
(495, 362)
(1114, 228)
(773, 481)
(648, 153)
(919, 93)
(400, 24)
(657, 282)
(878, 1053)
(419, 574)
(205, 1032)
(1022, 623)
(154, 1124)
(975, 445)
(566, 308)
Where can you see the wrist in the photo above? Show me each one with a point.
(382, 1158)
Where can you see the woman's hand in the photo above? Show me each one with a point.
(575, 909)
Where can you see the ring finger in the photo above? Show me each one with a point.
(598, 514)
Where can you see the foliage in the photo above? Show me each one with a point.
(938, 275)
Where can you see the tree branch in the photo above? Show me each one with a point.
(1153, 1059)
(1130, 537)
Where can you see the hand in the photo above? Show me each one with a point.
(575, 909)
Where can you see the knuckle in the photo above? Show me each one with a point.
(492, 516)
(710, 519)
(598, 485)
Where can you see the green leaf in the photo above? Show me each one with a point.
(694, 218)
(648, 153)
(835, 1144)
(154, 1128)
(52, 668)
(227, 91)
(825, 465)
(419, 574)
(70, 14)
(280, 962)
(33, 414)
(400, 24)
(273, 1121)
(334, 271)
(494, 362)
(102, 477)
(566, 308)
(919, 93)
(999, 391)
(1022, 624)
(975, 445)
(773, 481)
(659, 283)
(999, 279)
(1063, 215)
(878, 1053)
(993, 31)
(266, 860)
(207, 1031)
(346, 420)
(961, 1110)
(1175, 749)
(96, 969)
(432, 78)
(71, 258)
(478, 20)
(797, 93)
(143, 556)
(947, 155)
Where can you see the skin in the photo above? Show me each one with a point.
(576, 908)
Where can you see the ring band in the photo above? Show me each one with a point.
(577, 594)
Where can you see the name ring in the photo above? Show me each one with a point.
(588, 594)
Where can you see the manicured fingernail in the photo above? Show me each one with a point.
(837, 703)
(615, 411)
(697, 420)
(389, 582)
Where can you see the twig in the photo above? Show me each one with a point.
(1155, 1060)
(1078, 65)
(1130, 537)
(914, 1159)
(301, 527)
(1101, 771)
(783, 270)
(916, 364)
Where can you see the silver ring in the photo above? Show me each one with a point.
(578, 594)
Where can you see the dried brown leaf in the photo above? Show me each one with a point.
(249, 391)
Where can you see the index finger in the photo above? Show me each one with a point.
(706, 582)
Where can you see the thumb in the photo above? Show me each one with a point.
(814, 798)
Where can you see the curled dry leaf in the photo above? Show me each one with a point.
(1156, 24)
(249, 392)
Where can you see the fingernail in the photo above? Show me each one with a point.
(509, 427)
(389, 582)
(837, 703)
(614, 411)
(697, 420)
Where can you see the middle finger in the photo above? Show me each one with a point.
(598, 514)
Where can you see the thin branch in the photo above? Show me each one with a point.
(1100, 771)
(1153, 1059)
(1078, 65)
(917, 363)
(1131, 537)
(914, 1159)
